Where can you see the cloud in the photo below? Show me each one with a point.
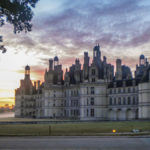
(119, 26)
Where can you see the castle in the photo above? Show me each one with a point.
(91, 93)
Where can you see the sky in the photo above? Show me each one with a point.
(67, 28)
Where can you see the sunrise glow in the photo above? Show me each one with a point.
(67, 29)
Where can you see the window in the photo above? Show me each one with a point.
(129, 101)
(119, 90)
(65, 103)
(87, 90)
(137, 100)
(92, 90)
(77, 92)
(71, 93)
(124, 101)
(110, 91)
(93, 79)
(87, 112)
(92, 112)
(124, 90)
(92, 101)
(93, 71)
(114, 101)
(87, 101)
(129, 90)
(119, 101)
(110, 101)
(134, 101)
(65, 113)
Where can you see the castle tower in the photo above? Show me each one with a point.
(118, 75)
(97, 55)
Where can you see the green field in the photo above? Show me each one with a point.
(98, 128)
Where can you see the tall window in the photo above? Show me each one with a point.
(124, 101)
(114, 101)
(124, 90)
(119, 101)
(110, 91)
(93, 71)
(92, 112)
(92, 90)
(129, 90)
(92, 100)
(93, 79)
(87, 90)
(137, 100)
(129, 101)
(87, 112)
(134, 101)
(110, 101)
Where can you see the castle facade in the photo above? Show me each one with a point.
(92, 93)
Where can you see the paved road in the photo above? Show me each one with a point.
(74, 143)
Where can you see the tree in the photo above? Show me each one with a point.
(18, 13)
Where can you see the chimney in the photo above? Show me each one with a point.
(38, 84)
(21, 83)
(51, 64)
(35, 84)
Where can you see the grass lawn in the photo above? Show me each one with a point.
(73, 128)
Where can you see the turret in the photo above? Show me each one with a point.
(96, 55)
(27, 72)
(142, 60)
(56, 61)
